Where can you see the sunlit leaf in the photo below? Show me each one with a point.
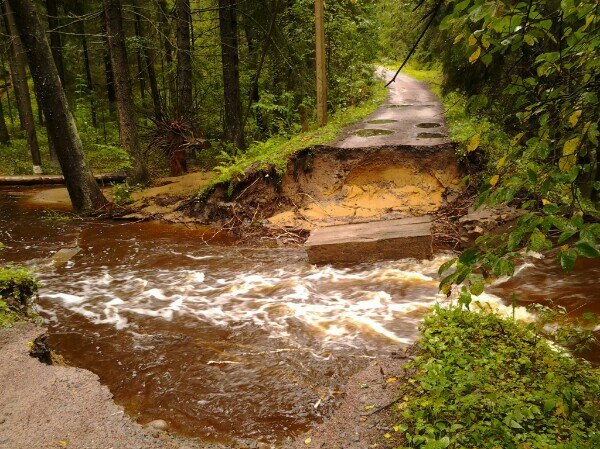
(473, 143)
(574, 118)
(569, 159)
(475, 55)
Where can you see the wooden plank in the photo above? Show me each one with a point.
(32, 180)
(369, 242)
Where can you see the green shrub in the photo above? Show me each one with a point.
(17, 290)
(481, 381)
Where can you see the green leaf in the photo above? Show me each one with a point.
(465, 297)
(549, 405)
(476, 284)
(551, 209)
(566, 235)
(538, 241)
(468, 257)
(515, 238)
(446, 266)
(567, 259)
(587, 250)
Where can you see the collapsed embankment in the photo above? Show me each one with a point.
(324, 186)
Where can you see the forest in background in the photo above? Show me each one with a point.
(232, 72)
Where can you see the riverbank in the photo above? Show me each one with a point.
(49, 406)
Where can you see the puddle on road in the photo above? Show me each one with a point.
(429, 125)
(372, 132)
(431, 136)
(381, 122)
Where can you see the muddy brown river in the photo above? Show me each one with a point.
(228, 342)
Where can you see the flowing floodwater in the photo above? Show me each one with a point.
(223, 341)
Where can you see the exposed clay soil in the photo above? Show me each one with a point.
(325, 186)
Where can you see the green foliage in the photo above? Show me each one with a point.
(17, 289)
(495, 255)
(275, 152)
(524, 78)
(121, 193)
(481, 381)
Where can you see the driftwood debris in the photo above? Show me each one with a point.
(32, 180)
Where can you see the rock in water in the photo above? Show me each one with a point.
(158, 424)
(40, 350)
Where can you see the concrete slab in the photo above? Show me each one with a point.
(412, 115)
(372, 241)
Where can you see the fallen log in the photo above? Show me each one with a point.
(32, 180)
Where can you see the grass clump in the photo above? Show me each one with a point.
(481, 381)
(17, 290)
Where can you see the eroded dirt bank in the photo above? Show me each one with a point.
(325, 186)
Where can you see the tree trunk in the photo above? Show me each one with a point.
(123, 91)
(184, 58)
(43, 122)
(55, 39)
(79, 10)
(156, 101)
(83, 190)
(148, 60)
(4, 136)
(108, 69)
(165, 30)
(163, 15)
(234, 131)
(19, 74)
(137, 25)
(6, 84)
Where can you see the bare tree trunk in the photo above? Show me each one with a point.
(184, 58)
(165, 30)
(79, 10)
(83, 189)
(19, 74)
(163, 14)
(156, 101)
(51, 145)
(55, 40)
(234, 131)
(154, 90)
(4, 136)
(6, 82)
(148, 60)
(124, 94)
(108, 69)
(139, 53)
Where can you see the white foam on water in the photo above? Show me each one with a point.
(342, 306)
(339, 306)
